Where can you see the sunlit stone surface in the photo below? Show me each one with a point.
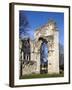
(49, 33)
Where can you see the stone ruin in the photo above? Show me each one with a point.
(50, 35)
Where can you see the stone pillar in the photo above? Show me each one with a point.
(38, 62)
(56, 52)
(35, 56)
(50, 57)
(32, 50)
(53, 55)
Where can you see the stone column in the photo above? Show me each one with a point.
(32, 50)
(38, 62)
(56, 52)
(53, 55)
(35, 56)
(50, 57)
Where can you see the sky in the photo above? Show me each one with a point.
(37, 19)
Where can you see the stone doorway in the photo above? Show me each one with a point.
(43, 56)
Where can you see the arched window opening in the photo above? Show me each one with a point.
(44, 57)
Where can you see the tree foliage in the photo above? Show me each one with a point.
(61, 56)
(23, 24)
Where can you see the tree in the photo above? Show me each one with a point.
(61, 56)
(23, 24)
(23, 31)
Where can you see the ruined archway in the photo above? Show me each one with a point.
(49, 35)
(43, 56)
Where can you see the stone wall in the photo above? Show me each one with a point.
(51, 35)
(29, 68)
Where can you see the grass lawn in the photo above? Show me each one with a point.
(41, 76)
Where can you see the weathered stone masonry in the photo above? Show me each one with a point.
(49, 33)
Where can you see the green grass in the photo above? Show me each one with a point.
(41, 76)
